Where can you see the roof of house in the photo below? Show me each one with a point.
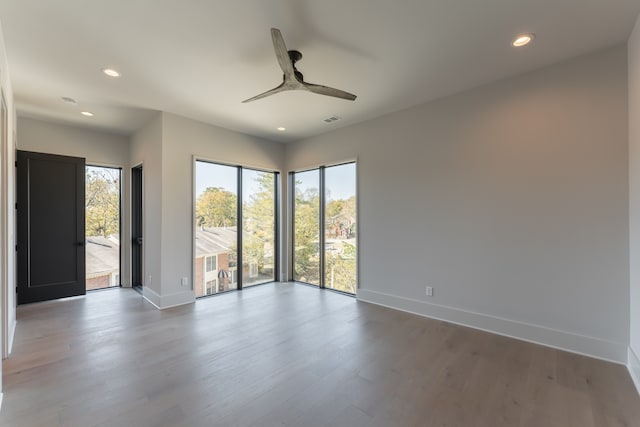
(215, 240)
(102, 254)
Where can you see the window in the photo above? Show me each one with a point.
(235, 219)
(258, 226)
(102, 227)
(324, 229)
(306, 225)
(340, 244)
(212, 263)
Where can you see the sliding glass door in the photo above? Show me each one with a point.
(226, 196)
(324, 227)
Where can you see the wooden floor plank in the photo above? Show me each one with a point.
(290, 355)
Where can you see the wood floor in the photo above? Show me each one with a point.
(290, 355)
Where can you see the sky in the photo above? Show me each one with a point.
(226, 177)
(340, 181)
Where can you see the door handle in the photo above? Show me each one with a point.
(80, 243)
(139, 240)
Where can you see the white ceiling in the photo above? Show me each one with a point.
(201, 58)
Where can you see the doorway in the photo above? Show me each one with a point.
(136, 227)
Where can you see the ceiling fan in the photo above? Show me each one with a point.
(292, 78)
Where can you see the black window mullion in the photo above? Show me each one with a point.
(276, 222)
(120, 227)
(321, 220)
(291, 224)
(240, 264)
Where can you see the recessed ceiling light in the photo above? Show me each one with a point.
(111, 72)
(69, 100)
(87, 113)
(523, 40)
(281, 129)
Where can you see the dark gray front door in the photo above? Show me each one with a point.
(51, 252)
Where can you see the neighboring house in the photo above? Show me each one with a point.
(215, 260)
(103, 262)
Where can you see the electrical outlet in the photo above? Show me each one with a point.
(429, 291)
(185, 281)
(149, 281)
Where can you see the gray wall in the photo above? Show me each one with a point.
(7, 216)
(510, 200)
(634, 200)
(98, 148)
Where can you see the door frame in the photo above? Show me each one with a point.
(137, 201)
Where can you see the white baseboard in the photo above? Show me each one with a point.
(170, 300)
(633, 365)
(177, 298)
(151, 296)
(588, 346)
(12, 334)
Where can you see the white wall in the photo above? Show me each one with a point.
(7, 215)
(510, 200)
(183, 139)
(98, 148)
(634, 200)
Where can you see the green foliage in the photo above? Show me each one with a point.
(258, 214)
(340, 234)
(216, 207)
(102, 201)
(341, 270)
(307, 235)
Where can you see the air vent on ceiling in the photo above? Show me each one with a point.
(331, 119)
(69, 100)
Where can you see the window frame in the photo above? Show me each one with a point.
(120, 217)
(235, 272)
(321, 224)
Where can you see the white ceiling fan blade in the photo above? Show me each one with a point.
(329, 91)
(282, 53)
(273, 91)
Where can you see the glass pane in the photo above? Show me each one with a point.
(102, 227)
(306, 234)
(215, 228)
(340, 228)
(258, 227)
